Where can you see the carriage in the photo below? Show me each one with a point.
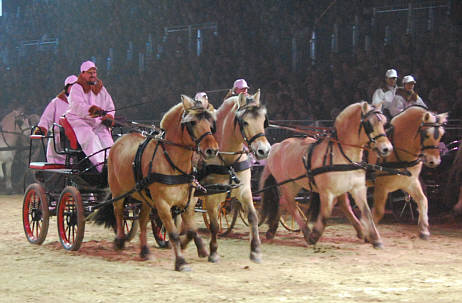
(70, 191)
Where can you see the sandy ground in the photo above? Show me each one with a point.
(338, 269)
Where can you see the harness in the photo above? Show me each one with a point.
(407, 164)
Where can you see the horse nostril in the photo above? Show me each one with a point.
(211, 152)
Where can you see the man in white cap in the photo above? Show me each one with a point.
(91, 113)
(405, 96)
(239, 86)
(54, 110)
(384, 95)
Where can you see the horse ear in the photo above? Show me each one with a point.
(211, 108)
(256, 97)
(379, 106)
(426, 118)
(242, 100)
(443, 118)
(187, 102)
(364, 107)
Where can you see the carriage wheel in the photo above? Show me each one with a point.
(288, 221)
(158, 230)
(404, 208)
(35, 215)
(227, 215)
(71, 218)
(130, 222)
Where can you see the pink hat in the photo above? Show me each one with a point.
(86, 66)
(200, 95)
(240, 83)
(70, 80)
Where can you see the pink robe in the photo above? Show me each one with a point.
(54, 110)
(91, 134)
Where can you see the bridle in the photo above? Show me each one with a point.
(189, 128)
(436, 133)
(367, 125)
(239, 120)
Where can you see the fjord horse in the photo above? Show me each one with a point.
(415, 134)
(165, 164)
(330, 166)
(241, 122)
(14, 128)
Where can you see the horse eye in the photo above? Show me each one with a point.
(245, 123)
(193, 123)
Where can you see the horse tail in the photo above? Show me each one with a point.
(269, 197)
(104, 215)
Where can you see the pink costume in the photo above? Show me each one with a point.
(54, 110)
(91, 134)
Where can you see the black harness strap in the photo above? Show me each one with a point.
(224, 169)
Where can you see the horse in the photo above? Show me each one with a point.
(241, 122)
(415, 134)
(164, 167)
(15, 126)
(330, 165)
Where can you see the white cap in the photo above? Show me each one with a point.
(408, 79)
(200, 95)
(70, 80)
(240, 83)
(86, 66)
(391, 73)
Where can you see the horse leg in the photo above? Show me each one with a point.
(191, 231)
(288, 193)
(416, 192)
(360, 196)
(325, 210)
(344, 203)
(7, 176)
(380, 201)
(119, 241)
(163, 209)
(212, 211)
(255, 243)
(143, 221)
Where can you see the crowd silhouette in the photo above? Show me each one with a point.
(254, 40)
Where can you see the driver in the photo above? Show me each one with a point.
(91, 114)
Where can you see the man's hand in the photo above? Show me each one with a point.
(108, 120)
(95, 111)
(40, 130)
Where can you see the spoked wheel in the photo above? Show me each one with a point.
(35, 215)
(404, 208)
(130, 218)
(287, 220)
(228, 212)
(158, 230)
(71, 218)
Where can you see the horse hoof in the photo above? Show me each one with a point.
(214, 258)
(202, 253)
(255, 257)
(424, 236)
(119, 244)
(144, 254)
(378, 245)
(269, 235)
(184, 268)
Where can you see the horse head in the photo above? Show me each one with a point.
(431, 131)
(371, 131)
(199, 121)
(252, 120)
(417, 132)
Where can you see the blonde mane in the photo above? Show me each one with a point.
(173, 113)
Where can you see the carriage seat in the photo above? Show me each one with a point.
(68, 138)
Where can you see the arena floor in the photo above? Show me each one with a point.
(340, 268)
